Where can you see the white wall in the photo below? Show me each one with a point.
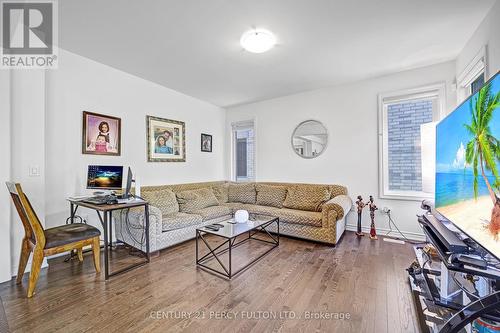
(5, 206)
(81, 84)
(350, 114)
(27, 147)
(488, 33)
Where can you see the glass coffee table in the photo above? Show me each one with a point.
(257, 224)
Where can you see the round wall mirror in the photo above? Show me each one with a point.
(309, 139)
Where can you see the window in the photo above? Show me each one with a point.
(243, 151)
(472, 77)
(477, 84)
(406, 141)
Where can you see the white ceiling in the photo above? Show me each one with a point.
(192, 46)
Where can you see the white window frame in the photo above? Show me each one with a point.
(243, 125)
(476, 67)
(437, 91)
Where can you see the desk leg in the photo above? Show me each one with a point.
(146, 216)
(278, 223)
(110, 221)
(230, 245)
(197, 246)
(106, 264)
(72, 208)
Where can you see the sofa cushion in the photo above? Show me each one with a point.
(193, 200)
(234, 206)
(307, 197)
(179, 220)
(244, 193)
(300, 217)
(221, 192)
(213, 212)
(264, 210)
(163, 199)
(255, 209)
(268, 195)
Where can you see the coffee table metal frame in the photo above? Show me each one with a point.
(228, 272)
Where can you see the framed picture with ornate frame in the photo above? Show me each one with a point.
(166, 140)
(206, 143)
(101, 134)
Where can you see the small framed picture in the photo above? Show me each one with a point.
(166, 140)
(101, 134)
(206, 142)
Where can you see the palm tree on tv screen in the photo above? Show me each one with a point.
(483, 150)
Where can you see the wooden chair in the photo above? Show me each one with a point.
(49, 241)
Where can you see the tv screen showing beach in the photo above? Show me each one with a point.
(467, 166)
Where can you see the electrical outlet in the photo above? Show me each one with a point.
(386, 210)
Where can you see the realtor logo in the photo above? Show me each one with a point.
(28, 34)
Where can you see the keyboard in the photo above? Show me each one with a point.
(99, 200)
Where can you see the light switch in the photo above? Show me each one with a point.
(34, 171)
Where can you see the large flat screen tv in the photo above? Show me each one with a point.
(467, 166)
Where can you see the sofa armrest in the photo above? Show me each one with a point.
(135, 217)
(335, 209)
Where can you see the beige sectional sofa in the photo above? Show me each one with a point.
(310, 211)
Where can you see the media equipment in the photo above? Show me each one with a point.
(453, 280)
(467, 168)
(102, 177)
(445, 239)
(470, 260)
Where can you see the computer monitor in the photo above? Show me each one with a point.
(101, 177)
(130, 179)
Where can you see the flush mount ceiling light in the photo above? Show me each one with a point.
(257, 40)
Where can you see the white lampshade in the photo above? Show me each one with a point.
(258, 40)
(241, 216)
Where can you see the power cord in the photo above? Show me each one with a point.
(129, 227)
(78, 217)
(391, 221)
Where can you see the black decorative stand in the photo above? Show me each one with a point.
(449, 295)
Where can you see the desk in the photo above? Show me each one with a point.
(104, 212)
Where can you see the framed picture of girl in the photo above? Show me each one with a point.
(166, 140)
(101, 134)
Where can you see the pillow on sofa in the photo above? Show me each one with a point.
(192, 200)
(221, 192)
(164, 199)
(270, 195)
(244, 193)
(307, 197)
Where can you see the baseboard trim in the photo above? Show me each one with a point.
(45, 264)
(394, 233)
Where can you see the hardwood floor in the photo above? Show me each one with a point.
(360, 279)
